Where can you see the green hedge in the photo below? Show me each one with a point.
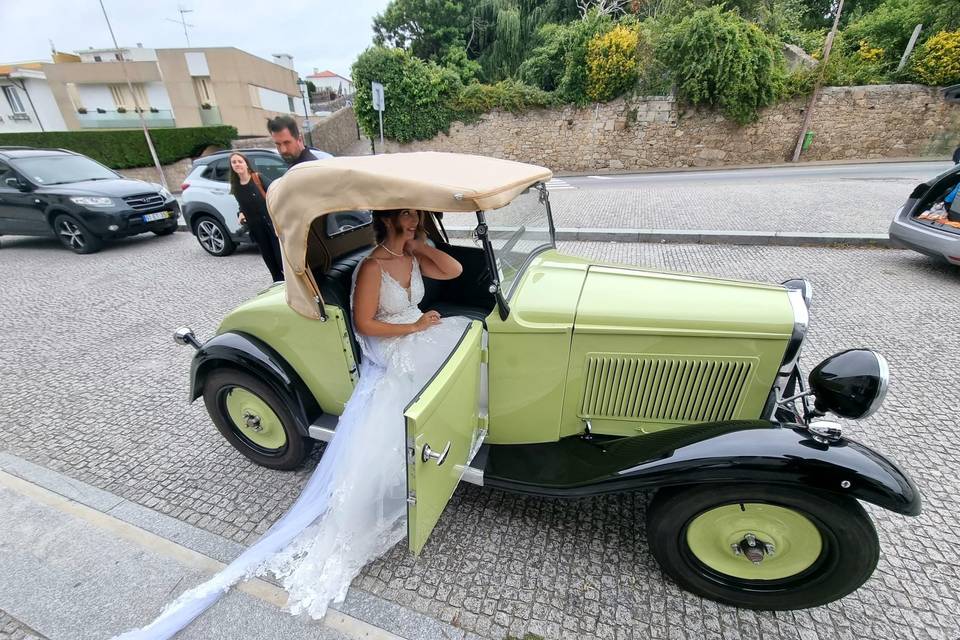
(128, 148)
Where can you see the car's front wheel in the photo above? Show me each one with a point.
(213, 236)
(74, 235)
(762, 546)
(254, 419)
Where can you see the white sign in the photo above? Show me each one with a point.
(377, 90)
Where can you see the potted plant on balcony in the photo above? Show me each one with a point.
(99, 110)
(206, 105)
(121, 109)
(82, 110)
(154, 110)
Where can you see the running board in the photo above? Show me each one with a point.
(323, 429)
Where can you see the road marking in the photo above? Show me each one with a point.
(600, 177)
(558, 184)
(260, 589)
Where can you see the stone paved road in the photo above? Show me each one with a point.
(835, 199)
(13, 629)
(93, 386)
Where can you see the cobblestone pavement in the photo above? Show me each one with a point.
(13, 629)
(817, 206)
(94, 387)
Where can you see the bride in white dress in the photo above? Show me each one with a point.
(353, 508)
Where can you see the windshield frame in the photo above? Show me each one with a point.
(17, 163)
(481, 233)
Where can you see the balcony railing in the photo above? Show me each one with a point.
(129, 120)
(210, 117)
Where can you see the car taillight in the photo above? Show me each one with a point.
(184, 186)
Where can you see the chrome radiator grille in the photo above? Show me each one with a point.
(681, 389)
(144, 201)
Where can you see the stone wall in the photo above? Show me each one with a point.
(334, 133)
(175, 173)
(891, 121)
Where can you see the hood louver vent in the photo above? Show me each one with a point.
(680, 389)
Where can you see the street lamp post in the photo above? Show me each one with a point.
(306, 111)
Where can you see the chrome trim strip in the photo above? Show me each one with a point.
(472, 475)
(801, 321)
(884, 384)
(324, 427)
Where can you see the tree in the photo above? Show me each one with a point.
(311, 88)
(427, 27)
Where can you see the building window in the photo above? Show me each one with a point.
(74, 96)
(122, 98)
(13, 98)
(201, 84)
(293, 109)
(254, 96)
(97, 59)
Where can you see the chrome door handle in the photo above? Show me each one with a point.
(429, 454)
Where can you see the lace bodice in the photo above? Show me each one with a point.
(398, 305)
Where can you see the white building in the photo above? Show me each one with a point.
(26, 101)
(331, 81)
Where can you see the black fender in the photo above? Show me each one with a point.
(250, 354)
(736, 452)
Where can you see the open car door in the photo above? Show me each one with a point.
(444, 430)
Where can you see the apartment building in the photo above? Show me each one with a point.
(26, 102)
(173, 88)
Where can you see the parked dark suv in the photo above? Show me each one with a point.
(47, 192)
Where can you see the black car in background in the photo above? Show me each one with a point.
(46, 192)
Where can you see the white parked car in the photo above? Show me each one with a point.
(209, 211)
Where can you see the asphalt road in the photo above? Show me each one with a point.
(93, 387)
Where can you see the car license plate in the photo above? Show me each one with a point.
(160, 215)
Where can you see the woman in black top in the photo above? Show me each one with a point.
(250, 190)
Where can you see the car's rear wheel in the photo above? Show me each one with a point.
(254, 419)
(213, 236)
(74, 235)
(762, 546)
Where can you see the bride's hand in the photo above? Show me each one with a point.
(416, 245)
(427, 320)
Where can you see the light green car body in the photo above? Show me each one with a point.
(624, 349)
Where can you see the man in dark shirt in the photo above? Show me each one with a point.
(286, 135)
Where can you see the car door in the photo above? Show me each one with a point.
(444, 429)
(21, 212)
(217, 176)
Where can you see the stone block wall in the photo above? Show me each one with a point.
(175, 173)
(891, 121)
(334, 133)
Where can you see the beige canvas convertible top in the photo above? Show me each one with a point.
(430, 181)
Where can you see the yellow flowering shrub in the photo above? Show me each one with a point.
(866, 53)
(937, 62)
(612, 63)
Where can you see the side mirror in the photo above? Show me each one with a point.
(13, 183)
(18, 184)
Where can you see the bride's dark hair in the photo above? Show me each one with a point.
(383, 220)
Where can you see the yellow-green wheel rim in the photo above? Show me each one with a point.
(796, 540)
(248, 411)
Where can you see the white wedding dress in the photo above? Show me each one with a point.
(353, 508)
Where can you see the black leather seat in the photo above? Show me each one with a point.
(449, 298)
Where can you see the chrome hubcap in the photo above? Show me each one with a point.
(71, 235)
(209, 236)
(753, 549)
(252, 420)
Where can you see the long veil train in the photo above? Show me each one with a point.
(353, 507)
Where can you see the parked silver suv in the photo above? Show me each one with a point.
(209, 211)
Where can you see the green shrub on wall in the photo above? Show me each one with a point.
(938, 60)
(719, 59)
(418, 94)
(508, 95)
(128, 148)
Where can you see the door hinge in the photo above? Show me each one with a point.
(412, 498)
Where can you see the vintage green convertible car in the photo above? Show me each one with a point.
(575, 379)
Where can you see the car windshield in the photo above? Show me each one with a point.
(46, 170)
(517, 231)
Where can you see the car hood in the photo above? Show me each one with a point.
(621, 299)
(119, 188)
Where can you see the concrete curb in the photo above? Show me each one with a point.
(704, 236)
(361, 615)
(736, 167)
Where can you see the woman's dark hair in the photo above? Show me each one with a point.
(234, 178)
(383, 220)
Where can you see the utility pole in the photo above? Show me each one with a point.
(182, 21)
(808, 115)
(910, 46)
(136, 103)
